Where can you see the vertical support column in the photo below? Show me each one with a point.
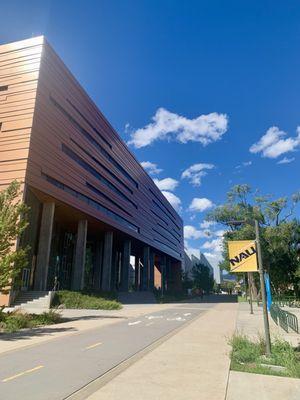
(98, 265)
(107, 261)
(80, 250)
(145, 274)
(169, 274)
(177, 276)
(137, 272)
(42, 265)
(125, 266)
(115, 263)
(151, 271)
(163, 267)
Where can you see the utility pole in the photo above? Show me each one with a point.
(250, 291)
(263, 292)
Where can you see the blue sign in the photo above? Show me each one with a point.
(268, 290)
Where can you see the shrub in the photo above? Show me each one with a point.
(79, 300)
(47, 318)
(243, 350)
(16, 320)
(249, 356)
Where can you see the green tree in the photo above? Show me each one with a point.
(187, 283)
(202, 277)
(279, 231)
(13, 221)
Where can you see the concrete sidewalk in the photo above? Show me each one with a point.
(263, 387)
(242, 385)
(193, 364)
(252, 324)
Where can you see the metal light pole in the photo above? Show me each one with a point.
(263, 291)
(250, 291)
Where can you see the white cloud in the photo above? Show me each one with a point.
(166, 184)
(191, 251)
(220, 233)
(286, 160)
(195, 172)
(173, 200)
(190, 232)
(211, 255)
(214, 253)
(200, 204)
(151, 168)
(244, 164)
(207, 224)
(167, 125)
(214, 245)
(214, 259)
(273, 143)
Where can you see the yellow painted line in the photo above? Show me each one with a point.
(93, 345)
(28, 371)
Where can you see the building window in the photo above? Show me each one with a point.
(163, 236)
(89, 124)
(168, 248)
(95, 173)
(103, 167)
(94, 142)
(99, 193)
(92, 203)
(161, 205)
(157, 205)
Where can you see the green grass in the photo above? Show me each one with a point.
(83, 300)
(242, 299)
(16, 320)
(247, 356)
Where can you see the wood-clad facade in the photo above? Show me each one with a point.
(55, 140)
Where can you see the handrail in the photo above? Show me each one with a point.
(284, 318)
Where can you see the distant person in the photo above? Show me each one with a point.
(56, 284)
(201, 293)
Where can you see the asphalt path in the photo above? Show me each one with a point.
(55, 369)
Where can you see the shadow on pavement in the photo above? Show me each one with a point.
(48, 330)
(214, 298)
(27, 333)
(88, 317)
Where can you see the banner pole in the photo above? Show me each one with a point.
(263, 292)
(250, 291)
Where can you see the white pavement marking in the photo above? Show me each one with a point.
(153, 316)
(176, 319)
(93, 345)
(187, 314)
(28, 371)
(134, 323)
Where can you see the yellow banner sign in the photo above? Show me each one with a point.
(242, 256)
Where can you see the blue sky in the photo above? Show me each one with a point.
(218, 76)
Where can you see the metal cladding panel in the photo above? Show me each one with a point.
(77, 157)
(19, 70)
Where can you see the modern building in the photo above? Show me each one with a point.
(92, 205)
(190, 261)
